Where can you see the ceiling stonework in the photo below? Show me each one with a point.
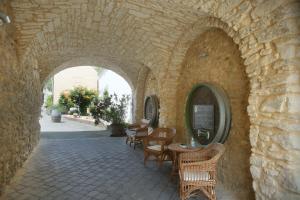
(132, 32)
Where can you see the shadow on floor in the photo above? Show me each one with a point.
(74, 134)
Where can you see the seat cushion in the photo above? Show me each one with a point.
(196, 176)
(156, 147)
(142, 133)
(130, 132)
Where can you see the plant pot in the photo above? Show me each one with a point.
(117, 130)
(56, 116)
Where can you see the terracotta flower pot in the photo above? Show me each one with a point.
(117, 130)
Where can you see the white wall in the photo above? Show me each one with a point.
(114, 83)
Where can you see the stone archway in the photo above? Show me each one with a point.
(90, 61)
(259, 48)
(48, 33)
(214, 58)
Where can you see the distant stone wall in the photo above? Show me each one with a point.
(19, 105)
(223, 66)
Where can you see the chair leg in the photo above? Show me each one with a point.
(161, 159)
(213, 193)
(210, 192)
(146, 155)
(181, 192)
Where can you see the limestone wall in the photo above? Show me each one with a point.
(267, 34)
(136, 36)
(151, 85)
(19, 127)
(224, 67)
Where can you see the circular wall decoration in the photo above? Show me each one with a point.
(207, 114)
(151, 108)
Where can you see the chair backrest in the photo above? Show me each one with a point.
(167, 133)
(215, 151)
(144, 123)
(211, 153)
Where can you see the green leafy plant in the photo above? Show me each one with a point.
(99, 108)
(65, 100)
(110, 108)
(82, 97)
(58, 108)
(116, 113)
(49, 102)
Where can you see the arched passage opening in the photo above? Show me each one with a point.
(59, 90)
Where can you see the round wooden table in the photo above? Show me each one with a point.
(176, 149)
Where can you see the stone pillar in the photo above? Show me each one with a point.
(138, 95)
(19, 104)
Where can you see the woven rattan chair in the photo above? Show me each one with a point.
(136, 132)
(156, 144)
(198, 171)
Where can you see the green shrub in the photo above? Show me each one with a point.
(82, 98)
(58, 107)
(110, 108)
(49, 102)
(65, 100)
(99, 107)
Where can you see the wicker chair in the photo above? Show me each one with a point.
(136, 132)
(198, 171)
(156, 144)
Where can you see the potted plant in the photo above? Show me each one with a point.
(112, 109)
(116, 114)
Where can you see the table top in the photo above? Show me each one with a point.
(179, 148)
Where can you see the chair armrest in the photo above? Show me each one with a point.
(133, 126)
(158, 139)
(141, 129)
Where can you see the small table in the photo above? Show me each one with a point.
(176, 149)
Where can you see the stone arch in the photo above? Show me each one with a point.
(91, 61)
(178, 55)
(268, 34)
(220, 64)
(258, 41)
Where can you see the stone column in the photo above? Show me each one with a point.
(138, 95)
(19, 103)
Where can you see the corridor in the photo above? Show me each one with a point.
(87, 165)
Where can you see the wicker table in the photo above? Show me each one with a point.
(176, 149)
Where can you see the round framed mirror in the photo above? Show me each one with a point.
(151, 108)
(207, 114)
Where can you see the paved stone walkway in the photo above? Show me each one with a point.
(90, 165)
(65, 126)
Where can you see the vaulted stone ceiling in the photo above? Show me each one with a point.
(126, 33)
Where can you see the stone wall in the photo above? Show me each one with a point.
(19, 88)
(156, 35)
(267, 34)
(223, 66)
(151, 85)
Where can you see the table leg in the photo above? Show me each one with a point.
(174, 164)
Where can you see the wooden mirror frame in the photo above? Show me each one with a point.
(155, 117)
(224, 111)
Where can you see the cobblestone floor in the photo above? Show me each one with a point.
(90, 165)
